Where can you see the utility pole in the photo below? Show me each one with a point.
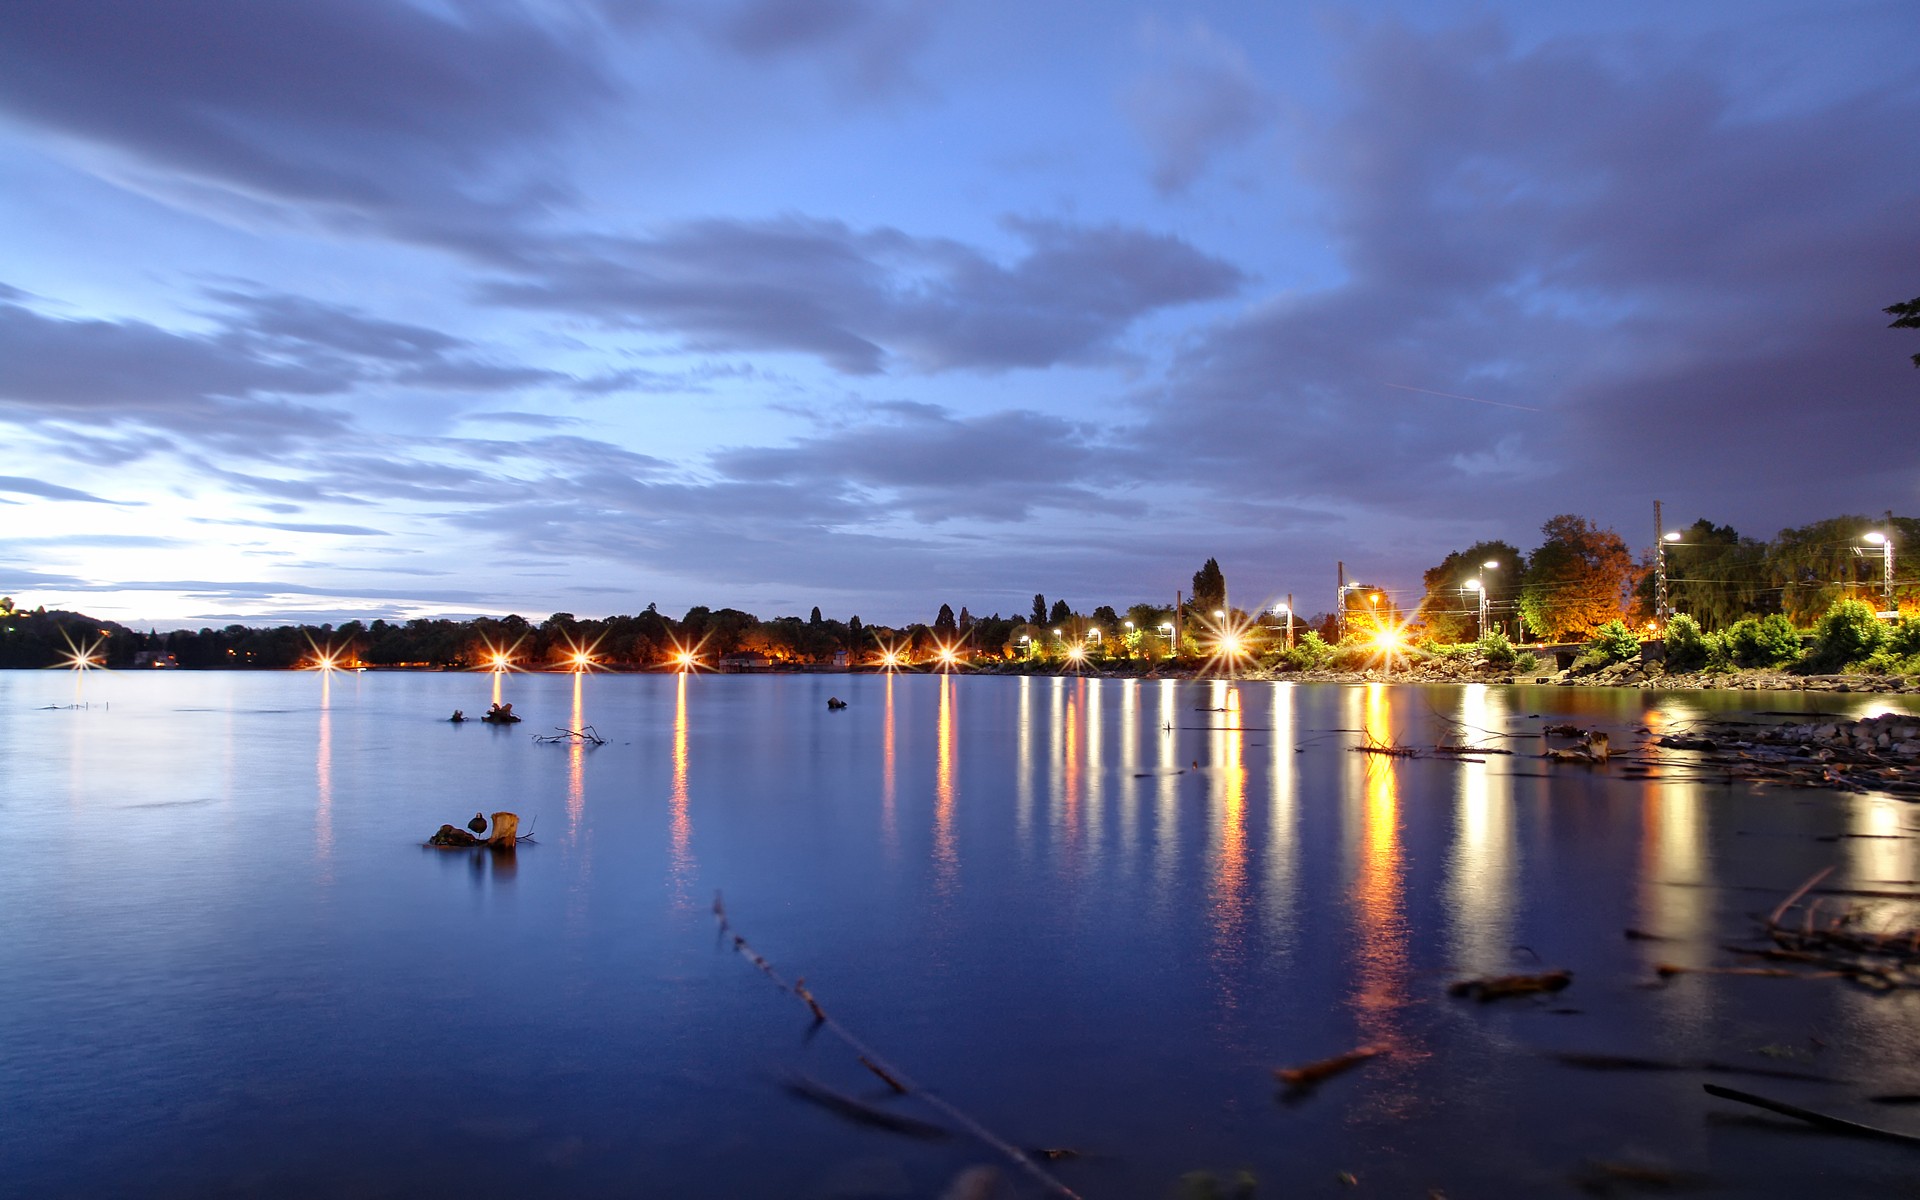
(1289, 620)
(1340, 607)
(1659, 568)
(1173, 651)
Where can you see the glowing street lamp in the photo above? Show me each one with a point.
(1476, 586)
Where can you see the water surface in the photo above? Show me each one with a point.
(1093, 913)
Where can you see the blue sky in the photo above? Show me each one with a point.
(361, 308)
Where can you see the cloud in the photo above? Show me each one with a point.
(298, 527)
(96, 372)
(864, 301)
(936, 466)
(50, 491)
(347, 343)
(1197, 101)
(866, 46)
(1674, 279)
(353, 113)
(766, 27)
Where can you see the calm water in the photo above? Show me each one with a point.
(1095, 914)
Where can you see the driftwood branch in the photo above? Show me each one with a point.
(895, 1078)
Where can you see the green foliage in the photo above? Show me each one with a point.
(1904, 639)
(1353, 656)
(1309, 653)
(1687, 648)
(1763, 642)
(1848, 635)
(1612, 642)
(1498, 651)
(1714, 575)
(1577, 580)
(1450, 610)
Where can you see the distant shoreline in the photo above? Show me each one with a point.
(1624, 676)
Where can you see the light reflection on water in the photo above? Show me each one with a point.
(1099, 910)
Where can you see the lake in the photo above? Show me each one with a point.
(1093, 914)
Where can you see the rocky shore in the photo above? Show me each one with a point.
(1646, 675)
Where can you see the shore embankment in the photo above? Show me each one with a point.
(1644, 675)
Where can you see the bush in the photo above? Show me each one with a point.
(1612, 643)
(1687, 648)
(1310, 653)
(1904, 639)
(1770, 642)
(1353, 655)
(1719, 652)
(1497, 650)
(1847, 635)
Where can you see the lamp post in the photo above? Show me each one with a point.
(1486, 599)
(1885, 542)
(1286, 610)
(1481, 589)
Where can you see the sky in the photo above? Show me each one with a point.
(366, 308)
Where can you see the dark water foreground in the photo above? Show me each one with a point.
(228, 967)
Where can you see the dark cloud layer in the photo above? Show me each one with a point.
(1684, 287)
(862, 301)
(349, 112)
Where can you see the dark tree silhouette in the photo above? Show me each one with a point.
(944, 623)
(1905, 316)
(1039, 609)
(1209, 588)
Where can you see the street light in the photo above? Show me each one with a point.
(1486, 601)
(1476, 586)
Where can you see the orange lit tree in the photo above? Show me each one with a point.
(1577, 581)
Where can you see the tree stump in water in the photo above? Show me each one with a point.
(506, 831)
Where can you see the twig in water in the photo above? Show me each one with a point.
(1818, 1120)
(897, 1077)
(1303, 1078)
(865, 1114)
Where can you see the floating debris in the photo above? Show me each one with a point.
(1305, 1078)
(1496, 987)
(584, 736)
(1818, 1120)
(864, 1114)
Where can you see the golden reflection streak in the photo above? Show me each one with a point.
(1481, 867)
(1673, 861)
(496, 689)
(1129, 767)
(1023, 784)
(889, 826)
(680, 856)
(1880, 849)
(946, 857)
(323, 772)
(1227, 788)
(1283, 821)
(1092, 774)
(1380, 924)
(1166, 833)
(576, 763)
(1070, 781)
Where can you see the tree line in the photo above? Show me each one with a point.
(1579, 578)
